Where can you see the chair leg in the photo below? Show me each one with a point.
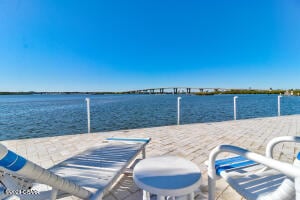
(144, 153)
(297, 188)
(146, 195)
(97, 197)
(171, 198)
(54, 194)
(211, 188)
(160, 197)
(191, 196)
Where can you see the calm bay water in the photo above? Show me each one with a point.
(28, 116)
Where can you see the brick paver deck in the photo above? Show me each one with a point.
(192, 141)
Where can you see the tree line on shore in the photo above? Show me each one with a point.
(250, 91)
(215, 92)
(32, 92)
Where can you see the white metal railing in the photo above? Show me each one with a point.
(234, 107)
(178, 110)
(88, 114)
(279, 97)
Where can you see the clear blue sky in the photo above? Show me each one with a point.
(69, 45)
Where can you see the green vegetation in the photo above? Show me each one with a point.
(108, 93)
(31, 92)
(249, 91)
(16, 93)
(215, 92)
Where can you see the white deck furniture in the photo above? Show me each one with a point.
(88, 175)
(255, 176)
(167, 176)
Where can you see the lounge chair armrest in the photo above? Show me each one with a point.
(284, 168)
(131, 140)
(277, 140)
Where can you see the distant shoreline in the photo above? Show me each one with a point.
(283, 92)
(55, 93)
(238, 91)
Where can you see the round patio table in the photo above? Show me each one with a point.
(167, 176)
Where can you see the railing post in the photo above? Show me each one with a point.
(234, 107)
(178, 110)
(88, 114)
(278, 108)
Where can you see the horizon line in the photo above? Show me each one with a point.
(156, 88)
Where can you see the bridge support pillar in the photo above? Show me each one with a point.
(161, 90)
(175, 90)
(188, 90)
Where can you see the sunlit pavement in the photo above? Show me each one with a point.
(192, 141)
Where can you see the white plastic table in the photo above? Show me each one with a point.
(167, 176)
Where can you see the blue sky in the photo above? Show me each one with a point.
(69, 45)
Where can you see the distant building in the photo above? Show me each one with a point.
(289, 93)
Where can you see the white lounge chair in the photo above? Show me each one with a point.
(255, 176)
(88, 175)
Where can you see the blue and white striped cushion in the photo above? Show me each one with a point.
(232, 163)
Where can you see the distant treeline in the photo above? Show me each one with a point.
(32, 92)
(233, 91)
(295, 92)
(16, 93)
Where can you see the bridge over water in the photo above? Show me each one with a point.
(175, 90)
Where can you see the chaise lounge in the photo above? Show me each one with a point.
(88, 175)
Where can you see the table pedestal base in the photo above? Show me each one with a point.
(146, 196)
